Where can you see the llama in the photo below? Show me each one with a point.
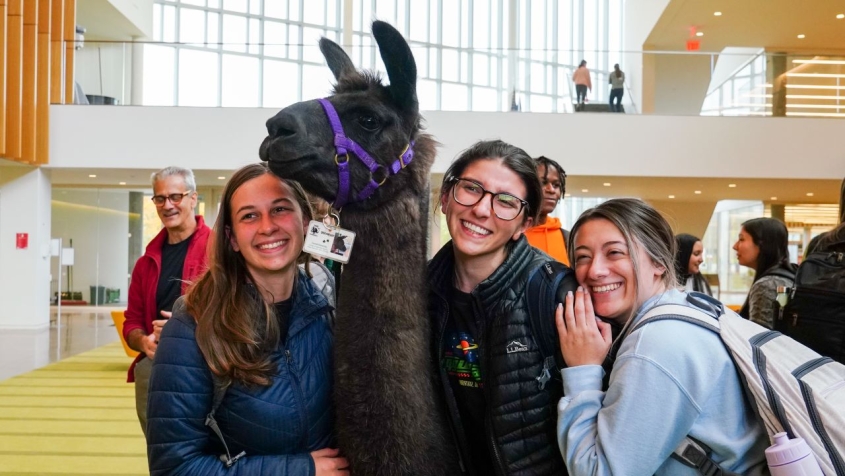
(389, 421)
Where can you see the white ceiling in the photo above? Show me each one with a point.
(773, 24)
(120, 20)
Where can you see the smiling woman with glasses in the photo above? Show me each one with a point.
(477, 304)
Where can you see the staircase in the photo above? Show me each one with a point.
(596, 107)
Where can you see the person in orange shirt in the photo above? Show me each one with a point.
(581, 78)
(548, 235)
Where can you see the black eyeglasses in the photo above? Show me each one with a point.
(175, 198)
(468, 193)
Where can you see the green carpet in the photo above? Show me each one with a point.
(76, 416)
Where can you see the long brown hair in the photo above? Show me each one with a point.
(236, 329)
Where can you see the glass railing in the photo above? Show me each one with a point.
(733, 82)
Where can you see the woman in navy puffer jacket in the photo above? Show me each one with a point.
(256, 324)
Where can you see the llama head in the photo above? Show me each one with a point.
(382, 121)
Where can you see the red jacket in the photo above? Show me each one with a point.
(141, 309)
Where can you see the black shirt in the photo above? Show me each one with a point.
(282, 309)
(170, 279)
(461, 361)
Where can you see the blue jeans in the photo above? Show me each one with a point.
(581, 92)
(617, 95)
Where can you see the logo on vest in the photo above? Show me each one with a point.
(516, 346)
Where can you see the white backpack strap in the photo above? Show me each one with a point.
(690, 451)
(679, 312)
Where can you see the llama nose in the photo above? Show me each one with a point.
(282, 125)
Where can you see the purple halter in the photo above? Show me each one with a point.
(343, 145)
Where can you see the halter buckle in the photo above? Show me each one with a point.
(402, 163)
(384, 170)
(345, 157)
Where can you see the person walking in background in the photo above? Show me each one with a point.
(689, 256)
(583, 83)
(617, 88)
(249, 348)
(547, 234)
(174, 258)
(763, 246)
(670, 379)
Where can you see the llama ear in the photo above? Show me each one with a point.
(338, 60)
(400, 65)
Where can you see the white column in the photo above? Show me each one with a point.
(348, 19)
(25, 195)
(513, 36)
(137, 82)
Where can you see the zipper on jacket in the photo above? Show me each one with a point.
(445, 381)
(497, 457)
(499, 464)
(300, 400)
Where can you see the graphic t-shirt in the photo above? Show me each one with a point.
(461, 361)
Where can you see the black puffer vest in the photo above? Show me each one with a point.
(521, 419)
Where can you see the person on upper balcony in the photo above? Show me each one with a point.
(583, 83)
(617, 88)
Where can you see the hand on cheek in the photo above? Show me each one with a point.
(584, 339)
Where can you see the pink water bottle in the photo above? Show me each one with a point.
(791, 457)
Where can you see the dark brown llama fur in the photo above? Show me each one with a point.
(389, 421)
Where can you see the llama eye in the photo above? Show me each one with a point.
(369, 123)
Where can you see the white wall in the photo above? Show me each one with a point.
(98, 223)
(639, 19)
(680, 83)
(138, 12)
(25, 277)
(588, 144)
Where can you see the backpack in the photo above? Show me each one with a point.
(543, 283)
(814, 315)
(793, 388)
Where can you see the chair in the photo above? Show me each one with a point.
(118, 318)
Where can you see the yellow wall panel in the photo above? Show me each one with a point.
(42, 92)
(3, 13)
(30, 36)
(57, 51)
(14, 68)
(69, 33)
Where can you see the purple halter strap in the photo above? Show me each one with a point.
(343, 145)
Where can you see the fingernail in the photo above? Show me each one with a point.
(569, 293)
(560, 305)
(580, 289)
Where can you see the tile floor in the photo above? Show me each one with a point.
(82, 328)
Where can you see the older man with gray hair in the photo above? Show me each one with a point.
(172, 259)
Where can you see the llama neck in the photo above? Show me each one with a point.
(389, 253)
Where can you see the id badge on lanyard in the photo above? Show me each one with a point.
(329, 241)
